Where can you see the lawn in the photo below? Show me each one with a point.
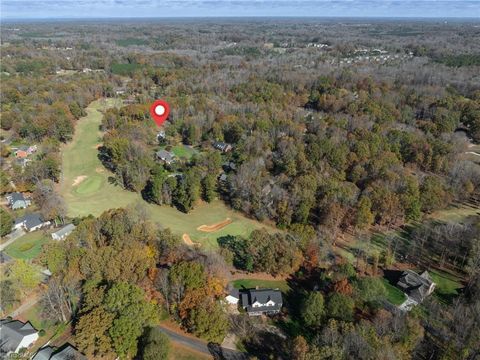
(28, 246)
(394, 294)
(180, 352)
(456, 213)
(182, 151)
(52, 329)
(270, 284)
(95, 194)
(447, 285)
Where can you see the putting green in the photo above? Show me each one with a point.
(90, 185)
(86, 188)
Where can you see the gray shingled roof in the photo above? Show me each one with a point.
(66, 352)
(31, 220)
(415, 285)
(262, 296)
(12, 333)
(16, 196)
(67, 229)
(44, 354)
(165, 155)
(4, 258)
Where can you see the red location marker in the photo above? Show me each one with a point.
(159, 111)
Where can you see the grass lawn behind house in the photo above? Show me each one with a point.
(447, 285)
(28, 246)
(394, 294)
(182, 151)
(269, 284)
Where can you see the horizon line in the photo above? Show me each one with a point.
(477, 18)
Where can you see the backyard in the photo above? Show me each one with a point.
(282, 285)
(28, 246)
(394, 294)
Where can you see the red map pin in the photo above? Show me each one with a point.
(159, 111)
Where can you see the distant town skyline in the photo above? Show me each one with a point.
(81, 9)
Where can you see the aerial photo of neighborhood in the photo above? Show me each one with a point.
(264, 180)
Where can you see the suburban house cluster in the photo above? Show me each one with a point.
(256, 301)
(33, 221)
(17, 336)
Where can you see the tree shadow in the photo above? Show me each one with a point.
(219, 353)
(392, 276)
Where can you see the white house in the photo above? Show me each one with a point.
(233, 297)
(16, 335)
(63, 232)
(261, 301)
(30, 222)
(16, 200)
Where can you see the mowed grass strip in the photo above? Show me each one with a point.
(282, 285)
(95, 194)
(394, 294)
(447, 285)
(28, 246)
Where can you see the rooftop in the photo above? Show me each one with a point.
(12, 333)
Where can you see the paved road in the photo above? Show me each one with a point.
(187, 341)
(11, 238)
(209, 349)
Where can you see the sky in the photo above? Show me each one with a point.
(34, 9)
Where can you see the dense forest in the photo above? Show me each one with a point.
(333, 131)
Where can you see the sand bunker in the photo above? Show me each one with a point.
(99, 170)
(215, 227)
(187, 240)
(79, 179)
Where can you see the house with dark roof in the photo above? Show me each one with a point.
(261, 301)
(63, 232)
(16, 335)
(66, 352)
(16, 200)
(30, 222)
(416, 286)
(233, 297)
(4, 258)
(223, 147)
(166, 156)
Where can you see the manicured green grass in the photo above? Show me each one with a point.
(28, 246)
(447, 285)
(95, 194)
(394, 294)
(270, 284)
(90, 185)
(182, 151)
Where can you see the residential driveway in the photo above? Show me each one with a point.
(214, 350)
(187, 341)
(25, 306)
(11, 238)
